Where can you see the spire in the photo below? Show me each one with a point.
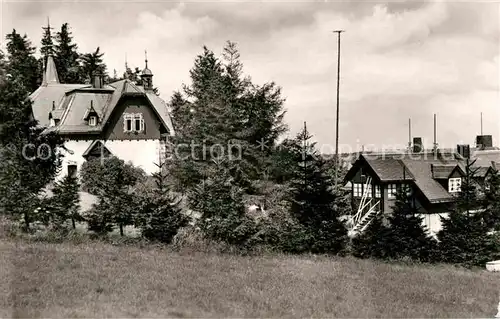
(147, 75)
(50, 75)
(125, 74)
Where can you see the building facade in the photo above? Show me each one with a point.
(431, 178)
(119, 119)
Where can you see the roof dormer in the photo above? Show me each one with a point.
(446, 171)
(91, 116)
(54, 115)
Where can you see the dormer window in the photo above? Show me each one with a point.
(93, 120)
(454, 185)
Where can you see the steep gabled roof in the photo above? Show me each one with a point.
(389, 169)
(98, 148)
(74, 104)
(413, 167)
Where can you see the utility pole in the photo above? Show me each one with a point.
(337, 121)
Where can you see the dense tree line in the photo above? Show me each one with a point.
(237, 159)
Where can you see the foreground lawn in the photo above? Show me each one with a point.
(99, 280)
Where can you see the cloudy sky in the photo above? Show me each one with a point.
(400, 60)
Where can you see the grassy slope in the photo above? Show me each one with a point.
(97, 280)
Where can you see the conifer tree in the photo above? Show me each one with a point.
(29, 159)
(92, 64)
(47, 47)
(220, 202)
(491, 202)
(22, 64)
(463, 237)
(111, 181)
(162, 217)
(407, 236)
(66, 200)
(372, 243)
(67, 57)
(222, 107)
(314, 202)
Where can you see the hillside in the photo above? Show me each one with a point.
(100, 280)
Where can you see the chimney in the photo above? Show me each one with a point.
(417, 145)
(484, 141)
(98, 82)
(464, 150)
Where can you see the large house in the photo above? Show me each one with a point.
(432, 178)
(122, 119)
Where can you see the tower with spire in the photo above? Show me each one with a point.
(147, 75)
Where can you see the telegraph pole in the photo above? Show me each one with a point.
(338, 100)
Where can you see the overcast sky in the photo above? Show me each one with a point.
(399, 59)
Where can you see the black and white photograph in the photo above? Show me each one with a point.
(249, 159)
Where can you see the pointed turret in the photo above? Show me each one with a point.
(147, 75)
(50, 75)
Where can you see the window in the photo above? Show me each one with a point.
(139, 122)
(127, 122)
(133, 122)
(357, 190)
(72, 170)
(407, 189)
(392, 190)
(93, 121)
(454, 185)
(368, 190)
(377, 191)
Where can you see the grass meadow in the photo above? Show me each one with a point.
(95, 279)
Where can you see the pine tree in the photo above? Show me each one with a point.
(67, 57)
(162, 216)
(22, 64)
(66, 201)
(314, 203)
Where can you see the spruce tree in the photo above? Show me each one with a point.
(372, 243)
(463, 237)
(491, 202)
(66, 201)
(47, 47)
(30, 159)
(92, 64)
(162, 217)
(223, 216)
(221, 107)
(67, 57)
(22, 64)
(314, 202)
(111, 181)
(407, 236)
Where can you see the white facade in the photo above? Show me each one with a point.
(433, 222)
(141, 153)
